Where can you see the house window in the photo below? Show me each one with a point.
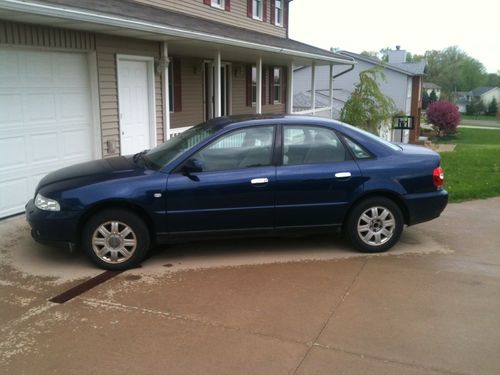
(257, 9)
(170, 86)
(217, 4)
(277, 85)
(254, 85)
(278, 12)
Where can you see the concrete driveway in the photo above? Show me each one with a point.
(268, 306)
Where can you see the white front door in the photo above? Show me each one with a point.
(134, 93)
(46, 119)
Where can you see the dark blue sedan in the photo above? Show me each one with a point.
(251, 175)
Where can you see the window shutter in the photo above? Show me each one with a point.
(284, 82)
(227, 5)
(207, 2)
(273, 10)
(249, 85)
(271, 85)
(177, 85)
(264, 10)
(263, 86)
(249, 9)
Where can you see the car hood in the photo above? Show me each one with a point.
(91, 171)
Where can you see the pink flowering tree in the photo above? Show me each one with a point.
(444, 117)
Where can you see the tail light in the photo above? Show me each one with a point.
(438, 177)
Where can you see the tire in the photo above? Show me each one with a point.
(374, 225)
(116, 239)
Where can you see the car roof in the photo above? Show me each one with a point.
(237, 120)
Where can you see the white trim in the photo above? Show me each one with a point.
(313, 88)
(258, 86)
(95, 103)
(256, 16)
(217, 87)
(151, 94)
(88, 16)
(289, 89)
(280, 24)
(222, 5)
(166, 96)
(330, 90)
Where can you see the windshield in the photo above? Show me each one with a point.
(163, 154)
(372, 136)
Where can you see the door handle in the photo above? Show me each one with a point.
(342, 174)
(259, 181)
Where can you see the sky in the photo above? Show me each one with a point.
(417, 26)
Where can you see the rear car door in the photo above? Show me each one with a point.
(316, 179)
(234, 189)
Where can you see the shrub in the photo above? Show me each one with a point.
(444, 117)
(493, 107)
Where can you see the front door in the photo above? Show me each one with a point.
(316, 180)
(134, 93)
(209, 89)
(234, 191)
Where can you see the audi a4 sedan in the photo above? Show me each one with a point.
(240, 176)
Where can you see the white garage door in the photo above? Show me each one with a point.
(45, 119)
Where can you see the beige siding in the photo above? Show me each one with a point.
(107, 48)
(236, 17)
(12, 33)
(192, 94)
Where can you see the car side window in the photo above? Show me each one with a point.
(358, 151)
(245, 148)
(311, 145)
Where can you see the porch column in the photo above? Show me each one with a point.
(165, 84)
(258, 88)
(313, 88)
(217, 88)
(289, 89)
(330, 88)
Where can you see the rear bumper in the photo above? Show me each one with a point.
(52, 228)
(426, 206)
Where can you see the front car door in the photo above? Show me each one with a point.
(316, 179)
(234, 190)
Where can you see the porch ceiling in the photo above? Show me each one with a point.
(189, 42)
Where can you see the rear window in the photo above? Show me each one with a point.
(374, 137)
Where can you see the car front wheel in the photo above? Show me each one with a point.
(374, 225)
(116, 239)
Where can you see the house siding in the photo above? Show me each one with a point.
(107, 47)
(237, 16)
(19, 34)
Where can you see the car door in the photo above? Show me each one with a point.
(233, 189)
(316, 178)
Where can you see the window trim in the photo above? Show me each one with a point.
(280, 85)
(276, 8)
(256, 16)
(222, 6)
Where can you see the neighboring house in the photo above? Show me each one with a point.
(403, 84)
(485, 94)
(86, 79)
(429, 87)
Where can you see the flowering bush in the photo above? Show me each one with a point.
(444, 116)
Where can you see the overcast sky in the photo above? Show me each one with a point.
(417, 26)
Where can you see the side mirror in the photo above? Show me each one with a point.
(192, 166)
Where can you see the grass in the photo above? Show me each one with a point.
(472, 171)
(480, 117)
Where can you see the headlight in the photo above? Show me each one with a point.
(46, 204)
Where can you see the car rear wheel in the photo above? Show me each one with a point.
(374, 225)
(116, 239)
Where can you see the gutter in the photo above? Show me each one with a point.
(109, 20)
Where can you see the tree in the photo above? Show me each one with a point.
(425, 100)
(367, 107)
(475, 107)
(493, 107)
(444, 117)
(433, 97)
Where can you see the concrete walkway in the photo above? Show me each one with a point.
(269, 306)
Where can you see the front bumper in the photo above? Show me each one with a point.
(425, 206)
(52, 228)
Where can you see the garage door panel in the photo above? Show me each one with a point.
(13, 195)
(45, 119)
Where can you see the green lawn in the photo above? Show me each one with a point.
(481, 117)
(472, 171)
